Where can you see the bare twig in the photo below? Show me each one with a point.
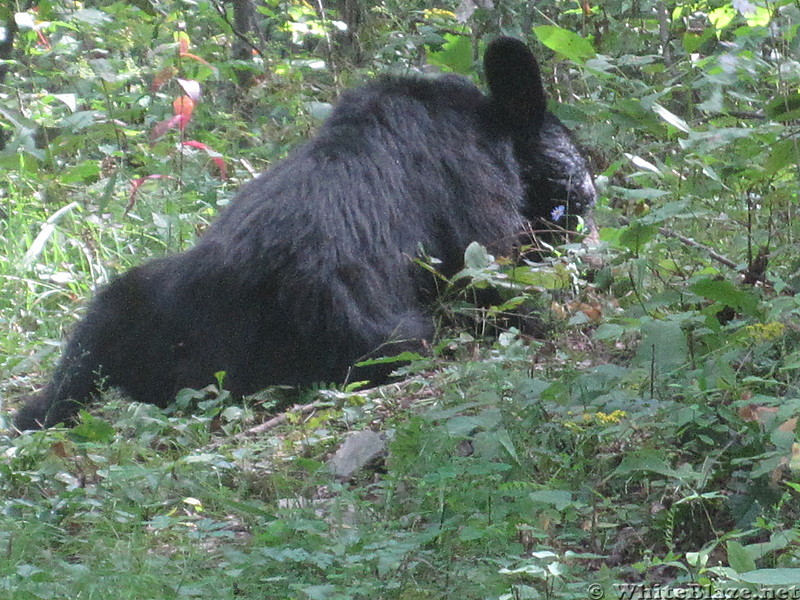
(277, 420)
(239, 34)
(693, 244)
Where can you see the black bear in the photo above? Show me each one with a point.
(561, 177)
(310, 269)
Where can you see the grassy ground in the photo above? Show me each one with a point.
(514, 468)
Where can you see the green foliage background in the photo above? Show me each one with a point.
(651, 438)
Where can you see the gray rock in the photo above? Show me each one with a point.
(358, 451)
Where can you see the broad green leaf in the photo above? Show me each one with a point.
(698, 559)
(693, 41)
(85, 171)
(636, 236)
(548, 279)
(726, 293)
(643, 164)
(783, 108)
(505, 439)
(645, 460)
(470, 533)
(90, 16)
(611, 235)
(676, 208)
(782, 155)
(638, 193)
(463, 425)
(559, 499)
(777, 541)
(476, 257)
(145, 5)
(714, 138)
(455, 55)
(92, 429)
(609, 331)
(722, 17)
(772, 577)
(759, 16)
(103, 69)
(565, 42)
(663, 344)
(319, 592)
(671, 118)
(739, 558)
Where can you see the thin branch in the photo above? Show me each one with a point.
(281, 418)
(690, 242)
(224, 16)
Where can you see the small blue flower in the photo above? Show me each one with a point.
(558, 212)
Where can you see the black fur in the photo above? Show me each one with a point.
(559, 176)
(310, 268)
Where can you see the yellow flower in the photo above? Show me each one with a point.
(764, 332)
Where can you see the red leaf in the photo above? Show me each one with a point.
(223, 169)
(183, 108)
(215, 156)
(183, 44)
(196, 144)
(136, 184)
(198, 59)
(163, 127)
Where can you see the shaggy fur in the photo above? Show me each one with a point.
(310, 269)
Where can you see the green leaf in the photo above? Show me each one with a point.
(92, 429)
(693, 41)
(559, 499)
(505, 439)
(676, 208)
(565, 42)
(384, 360)
(85, 171)
(476, 257)
(645, 460)
(103, 69)
(772, 577)
(784, 108)
(90, 16)
(319, 592)
(145, 5)
(636, 236)
(643, 164)
(739, 558)
(108, 191)
(671, 118)
(777, 541)
(758, 16)
(455, 55)
(781, 156)
(609, 331)
(663, 344)
(726, 293)
(549, 279)
(638, 193)
(723, 16)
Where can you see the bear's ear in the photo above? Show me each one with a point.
(515, 83)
